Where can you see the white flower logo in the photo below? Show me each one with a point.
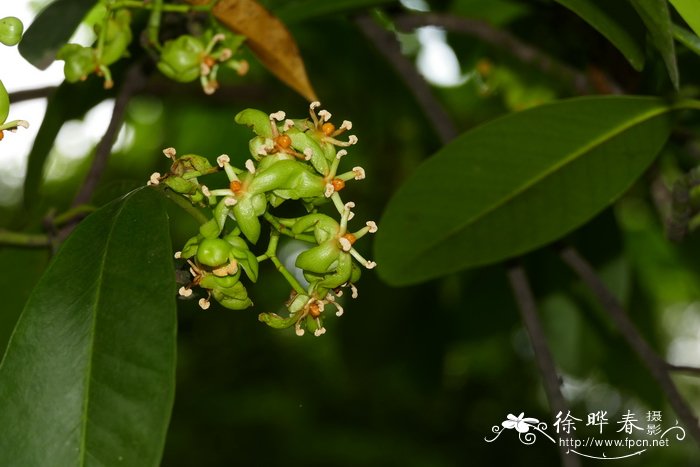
(522, 425)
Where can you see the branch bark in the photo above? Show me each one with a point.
(543, 356)
(523, 51)
(388, 46)
(656, 365)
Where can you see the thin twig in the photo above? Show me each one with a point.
(503, 40)
(29, 94)
(684, 369)
(656, 365)
(24, 240)
(388, 46)
(543, 356)
(134, 79)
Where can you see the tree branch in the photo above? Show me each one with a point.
(684, 369)
(656, 365)
(543, 356)
(388, 46)
(24, 239)
(29, 94)
(523, 51)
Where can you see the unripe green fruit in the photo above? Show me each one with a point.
(11, 29)
(4, 103)
(213, 252)
(181, 59)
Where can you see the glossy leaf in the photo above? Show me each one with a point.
(656, 17)
(517, 183)
(687, 38)
(51, 29)
(690, 11)
(88, 377)
(269, 40)
(610, 26)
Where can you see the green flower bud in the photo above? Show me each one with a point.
(319, 259)
(342, 274)
(258, 121)
(190, 163)
(275, 321)
(233, 298)
(181, 58)
(303, 142)
(190, 248)
(247, 219)
(4, 104)
(80, 62)
(11, 29)
(117, 38)
(213, 252)
(246, 259)
(323, 226)
(211, 282)
(180, 185)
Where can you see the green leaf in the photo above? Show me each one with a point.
(51, 29)
(687, 38)
(609, 25)
(690, 11)
(518, 183)
(88, 377)
(656, 17)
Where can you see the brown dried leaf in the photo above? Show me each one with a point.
(268, 38)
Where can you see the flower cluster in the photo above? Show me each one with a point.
(185, 58)
(290, 160)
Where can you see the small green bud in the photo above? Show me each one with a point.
(11, 29)
(4, 103)
(255, 119)
(80, 62)
(319, 259)
(181, 58)
(213, 252)
(117, 38)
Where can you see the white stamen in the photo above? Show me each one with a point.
(372, 226)
(204, 70)
(279, 115)
(325, 115)
(340, 310)
(339, 293)
(177, 255)
(169, 153)
(299, 331)
(352, 139)
(154, 180)
(351, 215)
(209, 88)
(341, 153)
(184, 291)
(371, 265)
(223, 159)
(319, 332)
(193, 272)
(345, 243)
(349, 205)
(218, 37)
(225, 54)
(330, 297)
(314, 104)
(288, 124)
(347, 125)
(204, 303)
(329, 190)
(230, 201)
(250, 165)
(262, 151)
(22, 123)
(359, 173)
(205, 191)
(309, 153)
(354, 291)
(321, 305)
